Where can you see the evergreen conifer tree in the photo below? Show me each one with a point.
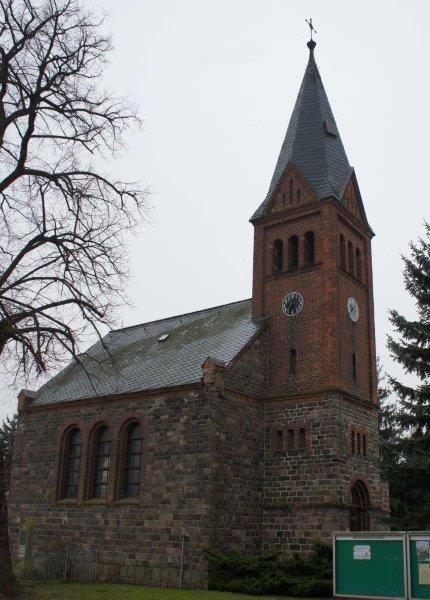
(7, 438)
(410, 483)
(388, 426)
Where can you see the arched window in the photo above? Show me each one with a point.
(278, 256)
(293, 252)
(133, 460)
(298, 195)
(102, 455)
(358, 269)
(350, 258)
(342, 252)
(72, 463)
(291, 190)
(359, 511)
(309, 247)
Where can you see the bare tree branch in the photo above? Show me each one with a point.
(63, 265)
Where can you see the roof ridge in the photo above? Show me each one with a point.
(322, 98)
(193, 312)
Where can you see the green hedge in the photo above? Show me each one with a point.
(261, 575)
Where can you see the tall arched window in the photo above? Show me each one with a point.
(102, 456)
(133, 460)
(278, 256)
(359, 513)
(350, 258)
(309, 247)
(298, 195)
(358, 268)
(291, 190)
(72, 463)
(293, 252)
(342, 252)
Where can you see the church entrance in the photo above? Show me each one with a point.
(359, 519)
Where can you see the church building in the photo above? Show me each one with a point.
(249, 427)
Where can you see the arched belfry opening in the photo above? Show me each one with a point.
(359, 518)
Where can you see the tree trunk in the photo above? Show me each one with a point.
(8, 582)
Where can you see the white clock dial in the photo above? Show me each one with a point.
(352, 308)
(292, 304)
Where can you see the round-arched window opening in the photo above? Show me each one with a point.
(102, 460)
(133, 461)
(359, 519)
(72, 462)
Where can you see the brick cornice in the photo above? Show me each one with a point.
(291, 507)
(112, 398)
(317, 394)
(292, 213)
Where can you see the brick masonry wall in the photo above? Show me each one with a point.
(137, 541)
(211, 470)
(322, 333)
(238, 494)
(237, 501)
(201, 476)
(247, 373)
(307, 491)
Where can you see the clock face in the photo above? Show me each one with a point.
(292, 304)
(352, 309)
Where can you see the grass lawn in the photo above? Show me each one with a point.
(99, 591)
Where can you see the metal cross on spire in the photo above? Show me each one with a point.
(311, 27)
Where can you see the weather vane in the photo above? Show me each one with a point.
(311, 27)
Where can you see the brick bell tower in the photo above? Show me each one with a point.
(313, 284)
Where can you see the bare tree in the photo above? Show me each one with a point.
(62, 220)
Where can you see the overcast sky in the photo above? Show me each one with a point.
(215, 82)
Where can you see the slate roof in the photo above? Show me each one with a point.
(312, 142)
(137, 361)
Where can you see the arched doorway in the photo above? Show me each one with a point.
(359, 519)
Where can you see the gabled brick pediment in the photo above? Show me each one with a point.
(352, 201)
(293, 191)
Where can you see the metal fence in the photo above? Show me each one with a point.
(62, 566)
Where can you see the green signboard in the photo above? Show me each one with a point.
(419, 561)
(382, 565)
(370, 565)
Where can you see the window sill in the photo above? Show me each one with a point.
(291, 451)
(294, 271)
(67, 501)
(125, 501)
(95, 501)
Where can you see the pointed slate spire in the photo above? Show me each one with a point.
(312, 143)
